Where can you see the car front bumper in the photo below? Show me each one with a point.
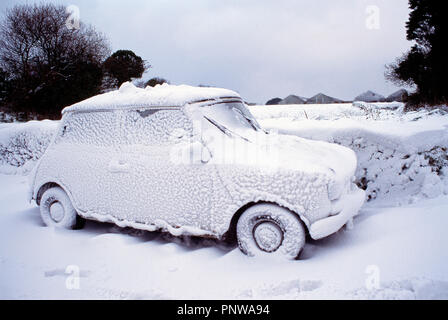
(349, 206)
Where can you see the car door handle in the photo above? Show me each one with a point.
(117, 166)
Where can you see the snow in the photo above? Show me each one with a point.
(395, 250)
(103, 159)
(401, 156)
(22, 144)
(270, 231)
(160, 95)
(57, 210)
(404, 247)
(348, 208)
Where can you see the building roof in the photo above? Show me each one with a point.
(321, 98)
(292, 99)
(164, 95)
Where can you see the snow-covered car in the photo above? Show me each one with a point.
(159, 159)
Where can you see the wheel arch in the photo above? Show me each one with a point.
(44, 188)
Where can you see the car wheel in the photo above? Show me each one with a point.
(268, 229)
(56, 210)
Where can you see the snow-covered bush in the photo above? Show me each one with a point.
(22, 144)
(396, 176)
(6, 117)
(401, 156)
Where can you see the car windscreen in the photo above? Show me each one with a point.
(231, 117)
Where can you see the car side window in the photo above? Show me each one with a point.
(154, 126)
(92, 128)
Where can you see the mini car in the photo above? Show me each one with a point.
(193, 161)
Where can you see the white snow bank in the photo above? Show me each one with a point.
(355, 111)
(401, 156)
(22, 144)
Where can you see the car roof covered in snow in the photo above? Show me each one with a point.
(165, 95)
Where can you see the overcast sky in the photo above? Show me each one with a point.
(260, 48)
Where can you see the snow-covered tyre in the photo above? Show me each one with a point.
(268, 229)
(56, 210)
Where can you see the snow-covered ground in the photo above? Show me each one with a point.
(391, 253)
(397, 248)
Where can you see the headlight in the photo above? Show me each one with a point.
(334, 190)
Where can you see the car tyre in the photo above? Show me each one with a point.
(56, 210)
(268, 229)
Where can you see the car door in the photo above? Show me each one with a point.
(82, 152)
(155, 187)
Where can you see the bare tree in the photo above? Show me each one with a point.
(49, 64)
